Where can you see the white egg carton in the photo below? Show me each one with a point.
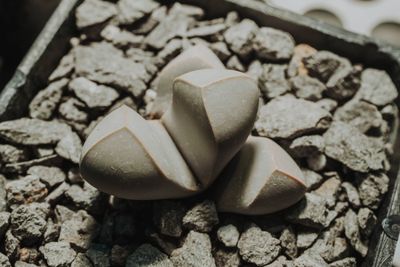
(361, 16)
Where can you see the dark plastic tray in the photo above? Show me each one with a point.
(52, 44)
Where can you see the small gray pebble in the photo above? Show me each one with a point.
(228, 235)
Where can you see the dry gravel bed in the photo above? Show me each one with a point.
(334, 117)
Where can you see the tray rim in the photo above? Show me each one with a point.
(15, 89)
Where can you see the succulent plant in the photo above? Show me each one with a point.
(202, 140)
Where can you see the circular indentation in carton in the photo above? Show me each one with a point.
(388, 32)
(391, 226)
(324, 15)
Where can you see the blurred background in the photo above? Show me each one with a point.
(22, 20)
(377, 18)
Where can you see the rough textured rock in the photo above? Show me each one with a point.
(358, 152)
(273, 44)
(352, 233)
(28, 222)
(24, 264)
(288, 242)
(81, 261)
(87, 198)
(11, 245)
(72, 110)
(352, 194)
(4, 223)
(195, 251)
(46, 101)
(367, 221)
(50, 176)
(210, 31)
(328, 104)
(93, 63)
(330, 190)
(92, 94)
(33, 131)
(376, 88)
(258, 247)
(296, 66)
(130, 11)
(30, 255)
(58, 254)
(23, 166)
(70, 147)
(93, 12)
(341, 79)
(64, 68)
(272, 80)
(227, 258)
(330, 245)
(310, 259)
(4, 262)
(12, 154)
(148, 256)
(121, 38)
(168, 217)
(372, 188)
(79, 230)
(307, 87)
(305, 238)
(202, 217)
(288, 117)
(228, 235)
(313, 179)
(239, 37)
(26, 190)
(307, 145)
(174, 24)
(312, 211)
(3, 194)
(359, 114)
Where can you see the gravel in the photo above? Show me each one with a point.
(93, 12)
(359, 114)
(273, 44)
(228, 235)
(93, 63)
(372, 188)
(92, 94)
(27, 131)
(272, 80)
(348, 145)
(352, 232)
(46, 101)
(376, 88)
(288, 117)
(195, 251)
(148, 256)
(307, 87)
(168, 217)
(258, 247)
(50, 176)
(202, 217)
(58, 254)
(334, 117)
(240, 37)
(312, 211)
(28, 222)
